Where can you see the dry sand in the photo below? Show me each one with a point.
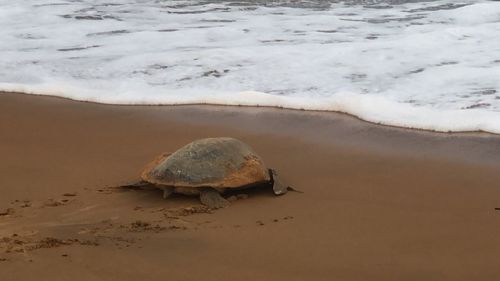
(379, 203)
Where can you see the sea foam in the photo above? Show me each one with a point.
(431, 65)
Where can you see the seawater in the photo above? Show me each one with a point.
(420, 64)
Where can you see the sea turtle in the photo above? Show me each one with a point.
(208, 167)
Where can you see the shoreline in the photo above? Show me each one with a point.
(379, 202)
(367, 119)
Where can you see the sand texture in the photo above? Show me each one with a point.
(379, 203)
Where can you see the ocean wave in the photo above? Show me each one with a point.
(430, 65)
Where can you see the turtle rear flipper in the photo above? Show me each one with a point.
(212, 198)
(279, 188)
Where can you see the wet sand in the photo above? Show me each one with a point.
(379, 203)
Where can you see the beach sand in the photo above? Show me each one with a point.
(379, 203)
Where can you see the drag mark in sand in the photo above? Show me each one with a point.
(18, 244)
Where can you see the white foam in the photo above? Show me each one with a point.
(412, 65)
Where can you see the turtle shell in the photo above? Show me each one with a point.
(220, 163)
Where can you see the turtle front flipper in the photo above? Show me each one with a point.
(212, 198)
(167, 191)
(279, 188)
(135, 185)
